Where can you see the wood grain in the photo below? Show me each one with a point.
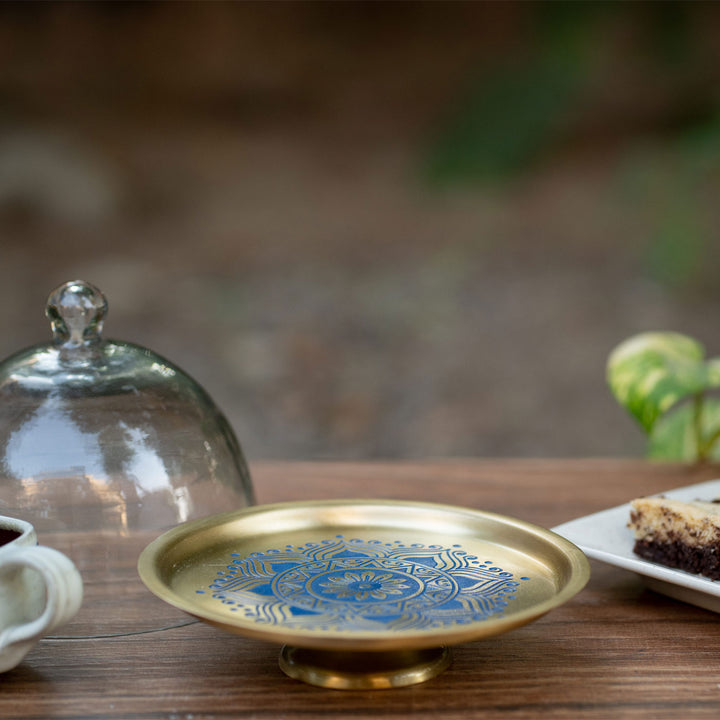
(615, 651)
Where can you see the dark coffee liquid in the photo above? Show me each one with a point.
(7, 535)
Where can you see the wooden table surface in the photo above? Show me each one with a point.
(616, 650)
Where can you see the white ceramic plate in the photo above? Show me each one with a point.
(605, 536)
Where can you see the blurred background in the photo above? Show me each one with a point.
(371, 230)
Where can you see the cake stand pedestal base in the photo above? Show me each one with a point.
(349, 670)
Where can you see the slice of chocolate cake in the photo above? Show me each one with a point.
(683, 535)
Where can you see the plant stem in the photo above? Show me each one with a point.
(711, 441)
(702, 448)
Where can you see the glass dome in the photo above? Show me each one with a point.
(106, 439)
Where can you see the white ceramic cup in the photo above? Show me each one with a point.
(40, 589)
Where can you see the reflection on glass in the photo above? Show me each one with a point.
(106, 437)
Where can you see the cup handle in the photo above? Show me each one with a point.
(63, 592)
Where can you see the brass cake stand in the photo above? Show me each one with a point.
(363, 593)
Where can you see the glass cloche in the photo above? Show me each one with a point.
(107, 442)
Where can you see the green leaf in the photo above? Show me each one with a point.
(649, 373)
(674, 437)
(713, 371)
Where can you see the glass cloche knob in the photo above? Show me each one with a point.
(76, 311)
(106, 441)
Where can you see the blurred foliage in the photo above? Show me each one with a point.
(678, 184)
(522, 107)
(504, 122)
(511, 114)
(520, 111)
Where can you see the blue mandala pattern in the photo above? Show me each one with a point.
(363, 585)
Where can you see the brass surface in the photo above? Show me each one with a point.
(189, 557)
(340, 670)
